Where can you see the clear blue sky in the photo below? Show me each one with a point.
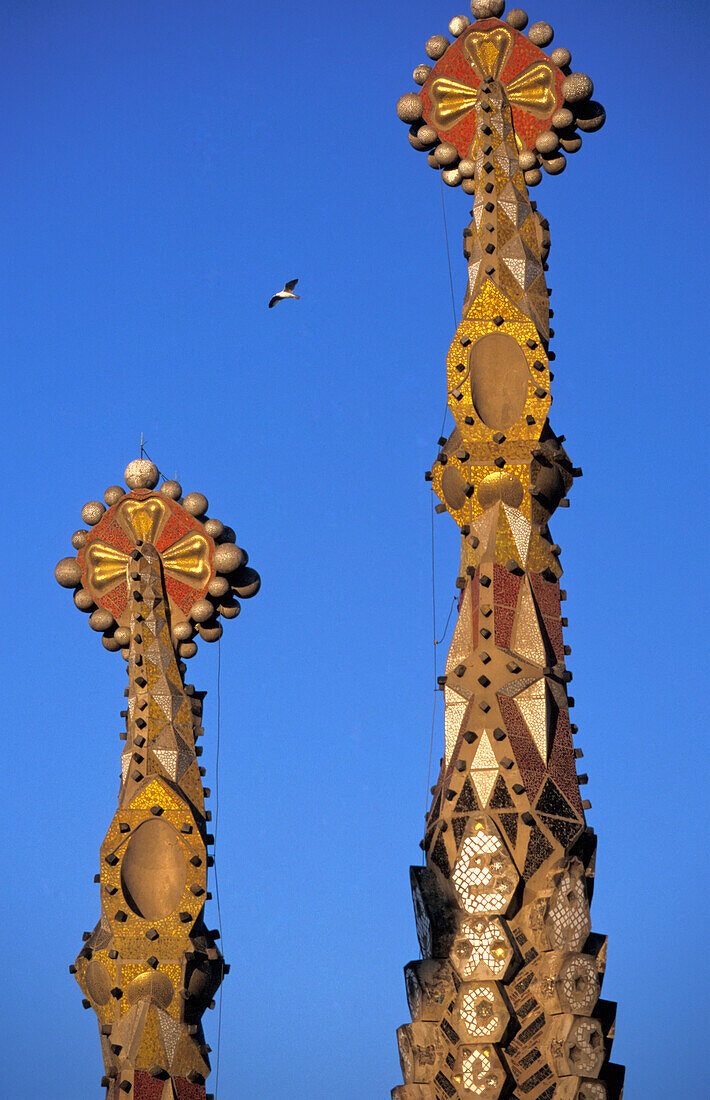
(166, 165)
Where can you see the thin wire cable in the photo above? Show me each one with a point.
(446, 628)
(448, 250)
(144, 452)
(433, 552)
(214, 851)
(433, 709)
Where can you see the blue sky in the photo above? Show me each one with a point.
(165, 167)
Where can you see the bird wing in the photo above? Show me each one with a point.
(276, 298)
(291, 284)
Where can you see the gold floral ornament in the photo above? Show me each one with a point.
(204, 573)
(187, 559)
(488, 53)
(548, 102)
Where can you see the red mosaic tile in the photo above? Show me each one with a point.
(547, 595)
(146, 1087)
(505, 617)
(562, 765)
(187, 1091)
(526, 755)
(506, 587)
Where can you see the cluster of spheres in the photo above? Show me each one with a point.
(207, 550)
(575, 112)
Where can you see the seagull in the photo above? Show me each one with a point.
(287, 292)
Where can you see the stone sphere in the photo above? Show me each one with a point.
(110, 643)
(427, 135)
(561, 57)
(451, 177)
(436, 46)
(517, 19)
(201, 611)
(432, 161)
(230, 609)
(195, 503)
(92, 512)
(84, 600)
(467, 168)
(541, 34)
(554, 165)
(171, 489)
(246, 583)
(421, 74)
(458, 25)
(141, 474)
(577, 87)
(487, 9)
(547, 142)
(122, 635)
(183, 632)
(68, 573)
(228, 535)
(187, 650)
(211, 633)
(446, 153)
(213, 528)
(571, 144)
(125, 654)
(533, 177)
(78, 539)
(414, 140)
(527, 160)
(101, 620)
(218, 586)
(563, 119)
(228, 557)
(590, 117)
(468, 186)
(113, 494)
(409, 107)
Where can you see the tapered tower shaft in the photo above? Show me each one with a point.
(153, 572)
(505, 1000)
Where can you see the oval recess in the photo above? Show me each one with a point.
(98, 982)
(453, 487)
(154, 870)
(499, 380)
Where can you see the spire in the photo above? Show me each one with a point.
(506, 997)
(153, 573)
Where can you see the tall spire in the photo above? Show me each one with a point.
(153, 572)
(505, 999)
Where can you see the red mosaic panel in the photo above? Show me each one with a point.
(187, 1091)
(526, 755)
(547, 594)
(146, 1087)
(562, 766)
(177, 525)
(505, 616)
(475, 598)
(506, 587)
(456, 66)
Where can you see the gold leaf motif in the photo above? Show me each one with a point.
(450, 101)
(142, 519)
(533, 89)
(188, 559)
(105, 566)
(488, 51)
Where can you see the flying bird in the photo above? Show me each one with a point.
(287, 292)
